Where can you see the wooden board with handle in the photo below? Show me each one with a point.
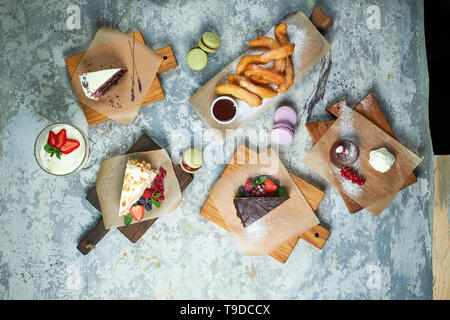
(369, 108)
(317, 236)
(154, 93)
(134, 231)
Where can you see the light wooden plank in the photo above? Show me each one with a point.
(441, 259)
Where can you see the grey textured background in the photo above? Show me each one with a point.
(183, 255)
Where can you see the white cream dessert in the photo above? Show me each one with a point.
(96, 84)
(381, 159)
(67, 163)
(138, 176)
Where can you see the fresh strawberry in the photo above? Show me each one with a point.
(270, 186)
(137, 211)
(61, 138)
(248, 185)
(69, 146)
(147, 194)
(52, 139)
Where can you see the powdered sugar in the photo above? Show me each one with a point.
(351, 189)
(346, 124)
(300, 38)
(255, 232)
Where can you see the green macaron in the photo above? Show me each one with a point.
(209, 41)
(197, 59)
(191, 160)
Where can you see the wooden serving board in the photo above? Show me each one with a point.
(369, 108)
(134, 231)
(302, 60)
(317, 236)
(154, 93)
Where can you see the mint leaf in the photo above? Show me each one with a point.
(262, 179)
(155, 202)
(128, 218)
(281, 192)
(52, 150)
(240, 195)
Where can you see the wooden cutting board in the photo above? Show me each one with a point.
(154, 93)
(369, 108)
(134, 231)
(317, 236)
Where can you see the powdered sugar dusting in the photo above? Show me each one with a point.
(300, 38)
(351, 189)
(346, 124)
(255, 232)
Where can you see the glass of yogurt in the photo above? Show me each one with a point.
(67, 163)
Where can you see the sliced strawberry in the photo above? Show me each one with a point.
(69, 146)
(137, 211)
(61, 138)
(147, 194)
(248, 185)
(52, 139)
(270, 186)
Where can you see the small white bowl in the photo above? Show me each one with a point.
(224, 98)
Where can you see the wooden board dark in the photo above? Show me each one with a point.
(135, 231)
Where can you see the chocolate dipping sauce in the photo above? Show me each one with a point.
(343, 153)
(224, 110)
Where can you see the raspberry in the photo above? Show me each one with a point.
(147, 194)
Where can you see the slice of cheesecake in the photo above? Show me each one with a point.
(252, 209)
(96, 84)
(138, 177)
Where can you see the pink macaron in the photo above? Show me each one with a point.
(282, 133)
(285, 119)
(287, 115)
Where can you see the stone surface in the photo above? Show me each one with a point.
(183, 255)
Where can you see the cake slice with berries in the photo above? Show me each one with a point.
(257, 198)
(96, 84)
(138, 177)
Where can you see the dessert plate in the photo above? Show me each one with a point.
(134, 231)
(310, 47)
(154, 93)
(370, 109)
(379, 188)
(317, 236)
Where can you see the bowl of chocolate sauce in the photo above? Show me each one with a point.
(344, 153)
(224, 109)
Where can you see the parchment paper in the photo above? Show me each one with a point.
(110, 180)
(310, 47)
(110, 49)
(379, 188)
(291, 219)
